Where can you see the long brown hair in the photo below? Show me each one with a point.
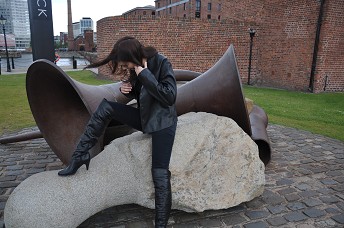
(126, 49)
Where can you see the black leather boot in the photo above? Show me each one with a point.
(94, 129)
(163, 196)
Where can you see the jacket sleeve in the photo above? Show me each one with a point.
(165, 88)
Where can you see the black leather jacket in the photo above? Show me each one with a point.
(156, 92)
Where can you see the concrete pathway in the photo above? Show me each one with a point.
(304, 186)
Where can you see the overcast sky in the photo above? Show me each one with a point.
(95, 9)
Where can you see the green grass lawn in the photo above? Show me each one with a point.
(15, 113)
(318, 113)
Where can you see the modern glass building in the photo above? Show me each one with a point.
(18, 23)
(86, 23)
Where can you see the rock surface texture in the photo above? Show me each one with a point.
(214, 165)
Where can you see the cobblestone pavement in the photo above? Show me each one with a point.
(304, 186)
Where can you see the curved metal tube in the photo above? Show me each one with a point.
(62, 106)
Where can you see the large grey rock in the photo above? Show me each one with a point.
(214, 165)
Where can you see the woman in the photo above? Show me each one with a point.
(152, 83)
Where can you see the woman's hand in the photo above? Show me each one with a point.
(138, 69)
(125, 87)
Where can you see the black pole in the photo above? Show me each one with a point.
(252, 33)
(8, 60)
(316, 47)
(12, 62)
(0, 65)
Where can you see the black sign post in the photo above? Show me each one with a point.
(42, 33)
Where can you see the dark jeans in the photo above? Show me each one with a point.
(162, 140)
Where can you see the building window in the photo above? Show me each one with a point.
(209, 6)
(170, 1)
(184, 15)
(219, 7)
(184, 6)
(144, 12)
(209, 16)
(158, 5)
(158, 13)
(198, 9)
(170, 9)
(219, 17)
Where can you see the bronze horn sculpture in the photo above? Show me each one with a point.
(62, 106)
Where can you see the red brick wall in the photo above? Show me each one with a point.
(330, 60)
(285, 42)
(191, 44)
(282, 48)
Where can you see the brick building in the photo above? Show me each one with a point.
(140, 11)
(85, 42)
(297, 44)
(212, 9)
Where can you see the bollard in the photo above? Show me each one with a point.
(12, 63)
(74, 63)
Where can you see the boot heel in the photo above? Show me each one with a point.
(87, 163)
(87, 160)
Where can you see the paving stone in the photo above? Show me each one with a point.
(258, 224)
(233, 219)
(308, 193)
(46, 160)
(35, 165)
(332, 210)
(277, 209)
(326, 223)
(9, 184)
(303, 186)
(186, 225)
(325, 191)
(329, 199)
(311, 202)
(2, 205)
(338, 188)
(295, 216)
(284, 181)
(329, 182)
(257, 214)
(287, 190)
(341, 196)
(296, 206)
(340, 205)
(339, 179)
(210, 223)
(25, 162)
(14, 159)
(277, 221)
(13, 173)
(7, 178)
(272, 198)
(292, 197)
(314, 213)
(338, 218)
(335, 173)
(5, 164)
(35, 170)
